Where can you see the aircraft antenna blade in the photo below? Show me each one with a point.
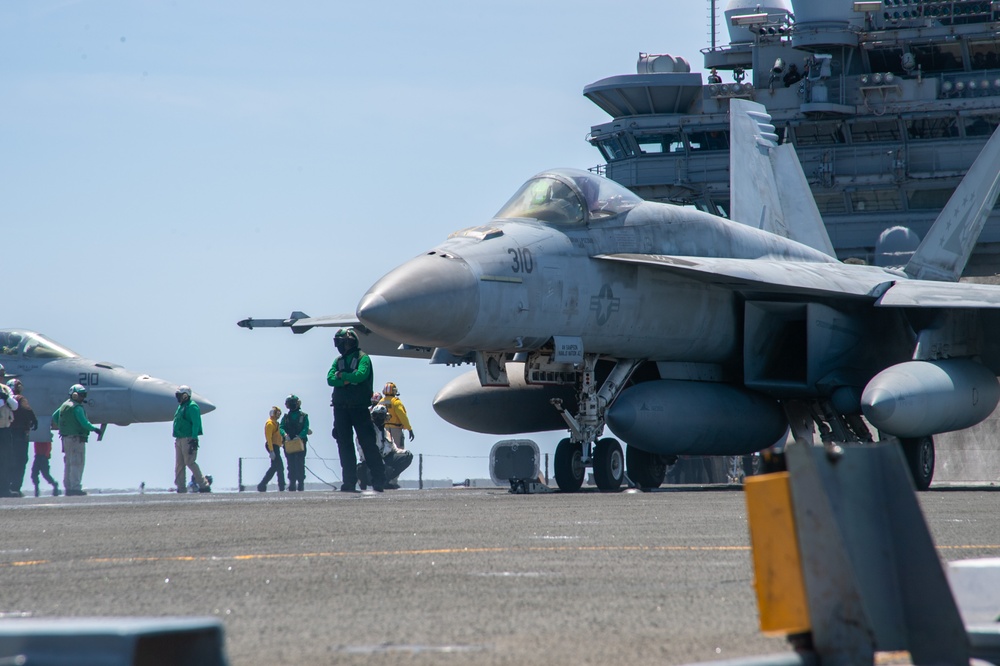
(756, 165)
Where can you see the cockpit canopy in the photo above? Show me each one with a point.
(569, 197)
(31, 345)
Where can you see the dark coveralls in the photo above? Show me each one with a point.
(352, 380)
(296, 424)
(24, 420)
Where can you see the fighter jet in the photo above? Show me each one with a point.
(584, 307)
(114, 394)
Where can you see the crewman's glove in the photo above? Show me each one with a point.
(193, 446)
(272, 453)
(411, 435)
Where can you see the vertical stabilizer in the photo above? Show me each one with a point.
(946, 248)
(757, 164)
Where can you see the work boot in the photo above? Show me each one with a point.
(55, 490)
(348, 488)
(206, 489)
(261, 488)
(36, 490)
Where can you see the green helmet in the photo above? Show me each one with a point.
(78, 392)
(292, 403)
(346, 340)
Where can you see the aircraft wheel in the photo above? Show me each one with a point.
(919, 452)
(609, 464)
(647, 470)
(568, 467)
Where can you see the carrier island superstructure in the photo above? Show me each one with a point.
(888, 103)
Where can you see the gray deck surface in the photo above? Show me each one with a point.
(455, 576)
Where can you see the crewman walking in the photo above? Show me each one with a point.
(187, 430)
(272, 443)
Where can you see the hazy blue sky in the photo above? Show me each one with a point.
(168, 168)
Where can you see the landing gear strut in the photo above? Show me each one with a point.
(584, 448)
(836, 429)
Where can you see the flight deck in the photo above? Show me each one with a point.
(426, 577)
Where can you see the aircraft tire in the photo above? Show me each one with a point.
(919, 452)
(609, 464)
(647, 470)
(568, 466)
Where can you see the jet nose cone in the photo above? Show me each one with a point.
(431, 301)
(203, 402)
(152, 400)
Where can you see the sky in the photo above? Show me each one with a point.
(168, 168)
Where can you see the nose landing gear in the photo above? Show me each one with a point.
(585, 447)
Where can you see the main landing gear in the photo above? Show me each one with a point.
(585, 447)
(835, 429)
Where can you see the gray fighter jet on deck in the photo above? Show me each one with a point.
(581, 305)
(114, 394)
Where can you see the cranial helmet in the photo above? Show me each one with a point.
(292, 402)
(15, 385)
(390, 389)
(78, 392)
(379, 415)
(183, 389)
(346, 340)
(376, 398)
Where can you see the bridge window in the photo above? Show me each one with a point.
(655, 144)
(819, 134)
(981, 125)
(886, 60)
(867, 201)
(928, 199)
(711, 140)
(830, 204)
(939, 57)
(870, 131)
(984, 55)
(612, 149)
(932, 128)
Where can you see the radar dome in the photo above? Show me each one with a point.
(650, 63)
(895, 246)
(776, 10)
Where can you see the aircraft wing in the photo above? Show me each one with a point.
(767, 276)
(821, 279)
(370, 342)
(933, 294)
